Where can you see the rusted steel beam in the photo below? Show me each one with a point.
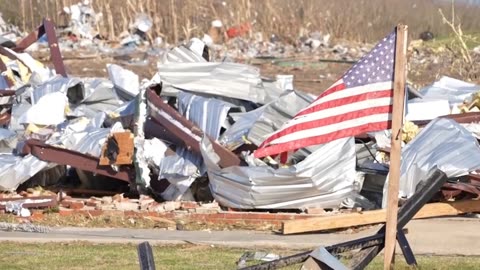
(3, 73)
(35, 201)
(47, 27)
(54, 49)
(5, 118)
(8, 54)
(154, 129)
(77, 160)
(6, 93)
(185, 130)
(30, 39)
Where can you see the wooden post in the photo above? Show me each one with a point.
(395, 154)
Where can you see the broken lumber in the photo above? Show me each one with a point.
(375, 216)
(118, 149)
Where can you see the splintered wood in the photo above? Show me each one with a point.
(118, 149)
(376, 216)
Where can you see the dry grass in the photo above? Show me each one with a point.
(360, 20)
(82, 255)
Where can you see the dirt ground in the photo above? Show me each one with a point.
(310, 75)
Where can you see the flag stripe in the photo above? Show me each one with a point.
(334, 115)
(334, 121)
(337, 86)
(348, 92)
(338, 107)
(300, 143)
(321, 130)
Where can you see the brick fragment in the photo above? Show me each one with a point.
(315, 211)
(188, 205)
(107, 200)
(126, 206)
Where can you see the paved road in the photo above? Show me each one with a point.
(448, 236)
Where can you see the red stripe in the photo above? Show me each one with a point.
(329, 91)
(348, 100)
(284, 147)
(328, 121)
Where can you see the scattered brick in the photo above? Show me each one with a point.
(93, 203)
(76, 205)
(171, 206)
(315, 211)
(156, 207)
(188, 205)
(211, 205)
(107, 200)
(202, 210)
(72, 204)
(126, 206)
(65, 212)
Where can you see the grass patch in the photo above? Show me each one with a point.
(81, 255)
(472, 41)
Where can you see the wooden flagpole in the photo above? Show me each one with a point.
(395, 154)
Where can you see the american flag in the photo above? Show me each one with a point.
(360, 101)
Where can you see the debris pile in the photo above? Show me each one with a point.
(188, 133)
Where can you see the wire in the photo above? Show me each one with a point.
(369, 151)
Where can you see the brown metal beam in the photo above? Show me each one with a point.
(30, 39)
(54, 49)
(77, 160)
(51, 201)
(154, 129)
(178, 125)
(3, 70)
(6, 93)
(5, 118)
(47, 27)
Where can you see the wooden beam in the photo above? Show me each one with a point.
(376, 216)
(395, 155)
(124, 140)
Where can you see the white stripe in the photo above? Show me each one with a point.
(313, 132)
(374, 87)
(361, 105)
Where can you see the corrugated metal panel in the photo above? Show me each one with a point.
(278, 113)
(222, 79)
(324, 179)
(442, 143)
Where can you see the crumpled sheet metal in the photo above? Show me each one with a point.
(72, 87)
(221, 79)
(453, 90)
(440, 98)
(86, 97)
(14, 170)
(324, 179)
(234, 136)
(180, 170)
(48, 110)
(443, 143)
(208, 114)
(182, 54)
(100, 96)
(126, 82)
(277, 113)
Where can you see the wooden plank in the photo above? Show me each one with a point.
(395, 155)
(376, 216)
(125, 153)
